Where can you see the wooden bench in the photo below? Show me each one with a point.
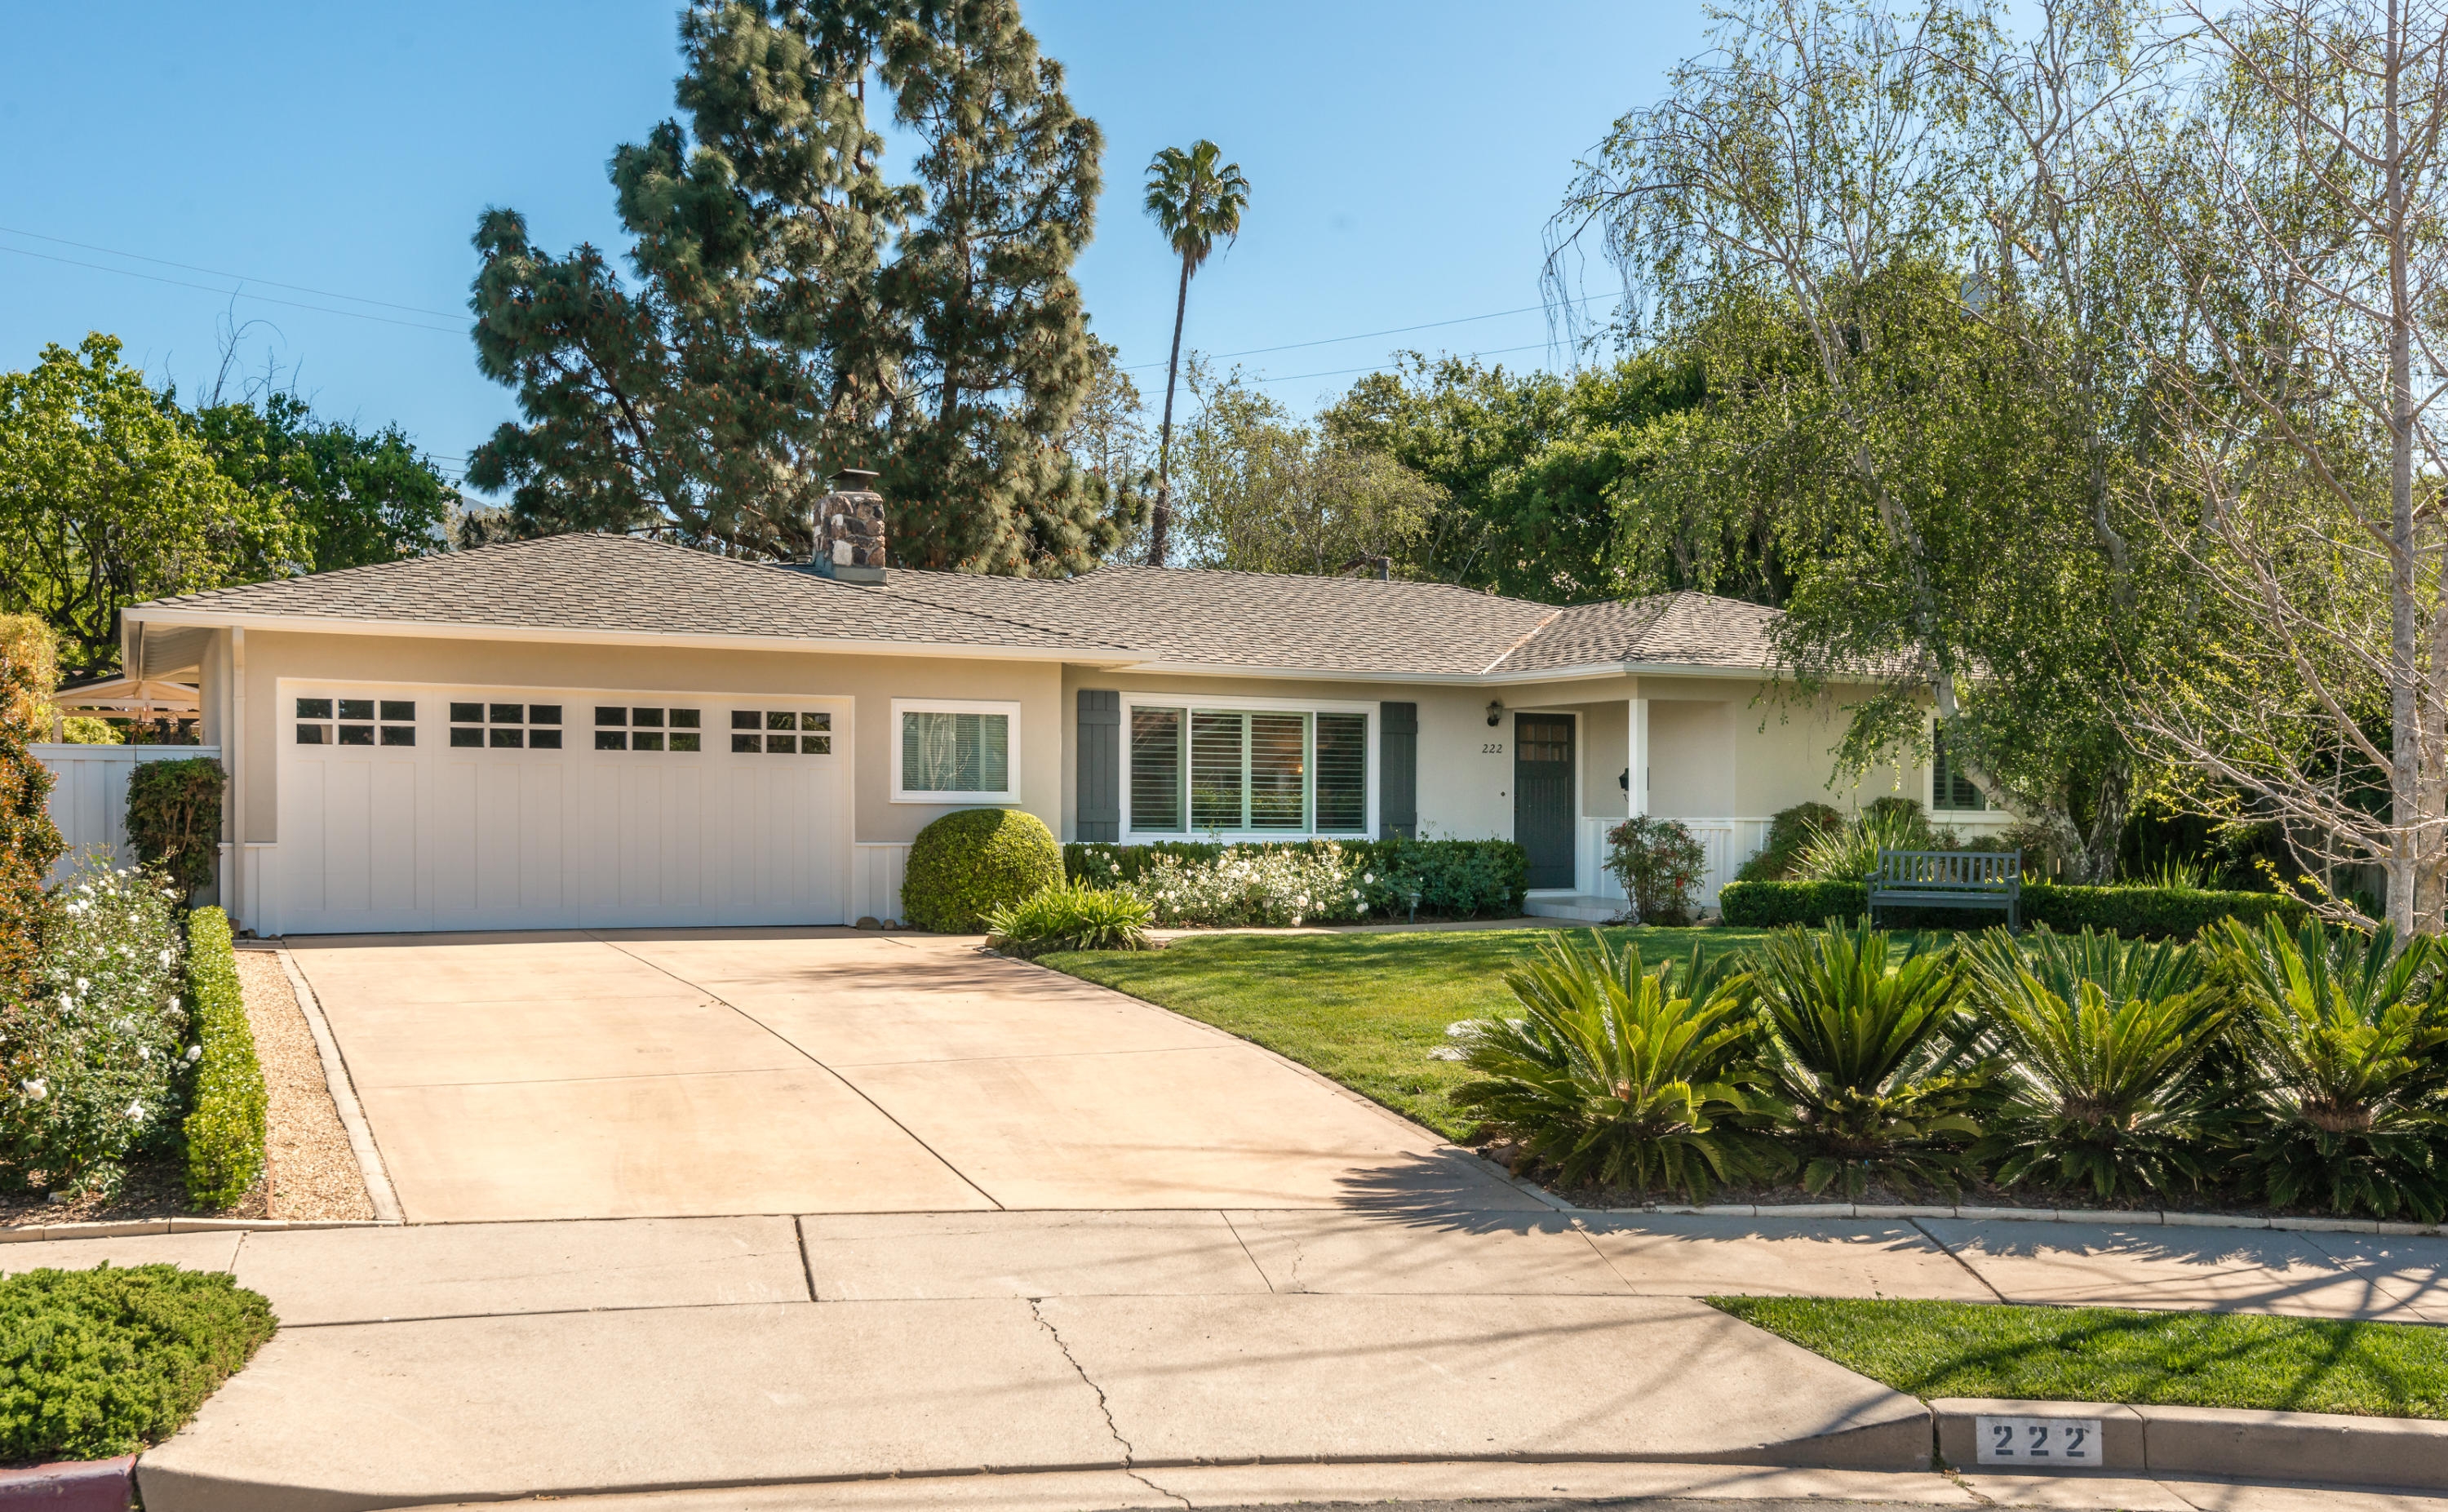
(1949, 879)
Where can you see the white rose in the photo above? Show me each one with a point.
(135, 1110)
(194, 1052)
(35, 1089)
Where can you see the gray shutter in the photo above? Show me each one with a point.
(1100, 765)
(1398, 769)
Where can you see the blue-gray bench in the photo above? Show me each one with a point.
(1949, 879)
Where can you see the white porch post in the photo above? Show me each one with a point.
(1636, 794)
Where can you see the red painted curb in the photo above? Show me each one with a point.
(81, 1486)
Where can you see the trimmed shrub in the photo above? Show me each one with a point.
(1456, 879)
(1788, 832)
(29, 841)
(95, 1057)
(174, 818)
(107, 1361)
(2137, 913)
(1072, 917)
(971, 862)
(1660, 867)
(225, 1132)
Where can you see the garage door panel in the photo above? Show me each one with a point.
(507, 828)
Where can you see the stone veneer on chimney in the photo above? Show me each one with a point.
(850, 529)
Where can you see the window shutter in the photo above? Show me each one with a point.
(1398, 769)
(1100, 765)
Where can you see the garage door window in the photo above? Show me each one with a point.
(955, 753)
(781, 732)
(628, 727)
(357, 722)
(506, 726)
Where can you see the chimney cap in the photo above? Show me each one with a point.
(854, 480)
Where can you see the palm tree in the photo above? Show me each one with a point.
(1193, 202)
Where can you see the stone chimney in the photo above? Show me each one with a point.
(850, 529)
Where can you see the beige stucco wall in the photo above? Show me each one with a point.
(872, 681)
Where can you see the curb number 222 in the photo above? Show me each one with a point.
(2040, 1442)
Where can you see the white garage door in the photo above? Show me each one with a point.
(417, 808)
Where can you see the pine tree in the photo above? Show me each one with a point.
(792, 311)
(995, 356)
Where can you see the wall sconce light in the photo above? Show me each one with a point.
(1495, 712)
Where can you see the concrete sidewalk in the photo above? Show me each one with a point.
(430, 1364)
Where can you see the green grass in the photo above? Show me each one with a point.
(2111, 1354)
(1363, 1009)
(103, 1362)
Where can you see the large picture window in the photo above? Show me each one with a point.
(1248, 772)
(955, 753)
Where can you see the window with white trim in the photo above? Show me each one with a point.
(955, 751)
(1248, 771)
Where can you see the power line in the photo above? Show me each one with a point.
(181, 283)
(1337, 373)
(1328, 341)
(224, 273)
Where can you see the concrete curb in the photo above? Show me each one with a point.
(344, 1097)
(2319, 1448)
(76, 1485)
(2110, 1217)
(135, 1228)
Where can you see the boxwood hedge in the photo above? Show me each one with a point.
(973, 861)
(2137, 913)
(224, 1128)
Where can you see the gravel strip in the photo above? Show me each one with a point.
(314, 1173)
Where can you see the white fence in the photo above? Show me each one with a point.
(89, 794)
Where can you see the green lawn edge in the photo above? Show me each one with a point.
(1932, 1349)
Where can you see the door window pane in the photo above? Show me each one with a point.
(398, 709)
(684, 741)
(538, 739)
(953, 753)
(464, 736)
(399, 735)
(543, 714)
(1278, 771)
(356, 708)
(1215, 771)
(604, 716)
(467, 714)
(1156, 769)
(509, 713)
(355, 733)
(1343, 772)
(506, 739)
(611, 740)
(314, 733)
(314, 708)
(652, 719)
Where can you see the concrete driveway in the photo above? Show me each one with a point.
(679, 1073)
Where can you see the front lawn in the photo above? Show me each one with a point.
(1363, 1009)
(2111, 1354)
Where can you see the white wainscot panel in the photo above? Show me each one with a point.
(877, 874)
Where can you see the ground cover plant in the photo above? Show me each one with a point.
(2112, 1354)
(1364, 1009)
(104, 1362)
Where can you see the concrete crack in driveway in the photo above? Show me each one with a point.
(1970, 1269)
(1129, 1454)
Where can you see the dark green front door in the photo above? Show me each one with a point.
(1544, 802)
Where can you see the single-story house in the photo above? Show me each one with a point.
(602, 731)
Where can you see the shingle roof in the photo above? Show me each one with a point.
(1188, 616)
(623, 585)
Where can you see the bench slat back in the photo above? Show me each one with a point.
(1988, 870)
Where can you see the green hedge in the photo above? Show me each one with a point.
(2137, 913)
(971, 862)
(174, 817)
(225, 1129)
(103, 1362)
(1453, 878)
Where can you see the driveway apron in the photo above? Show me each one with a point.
(679, 1073)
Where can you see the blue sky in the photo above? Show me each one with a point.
(1403, 158)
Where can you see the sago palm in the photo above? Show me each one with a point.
(2346, 1038)
(2105, 1043)
(1623, 1075)
(1195, 200)
(1873, 1058)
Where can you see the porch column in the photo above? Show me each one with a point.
(1637, 793)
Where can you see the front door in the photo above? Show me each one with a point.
(1544, 802)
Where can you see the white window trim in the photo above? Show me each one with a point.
(1241, 703)
(1011, 755)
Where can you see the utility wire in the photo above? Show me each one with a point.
(1375, 367)
(294, 304)
(1328, 341)
(224, 273)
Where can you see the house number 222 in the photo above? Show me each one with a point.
(1496, 749)
(2040, 1442)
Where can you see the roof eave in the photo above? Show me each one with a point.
(426, 629)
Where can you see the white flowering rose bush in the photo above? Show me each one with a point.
(97, 1059)
(1275, 886)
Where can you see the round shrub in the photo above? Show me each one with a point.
(967, 865)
